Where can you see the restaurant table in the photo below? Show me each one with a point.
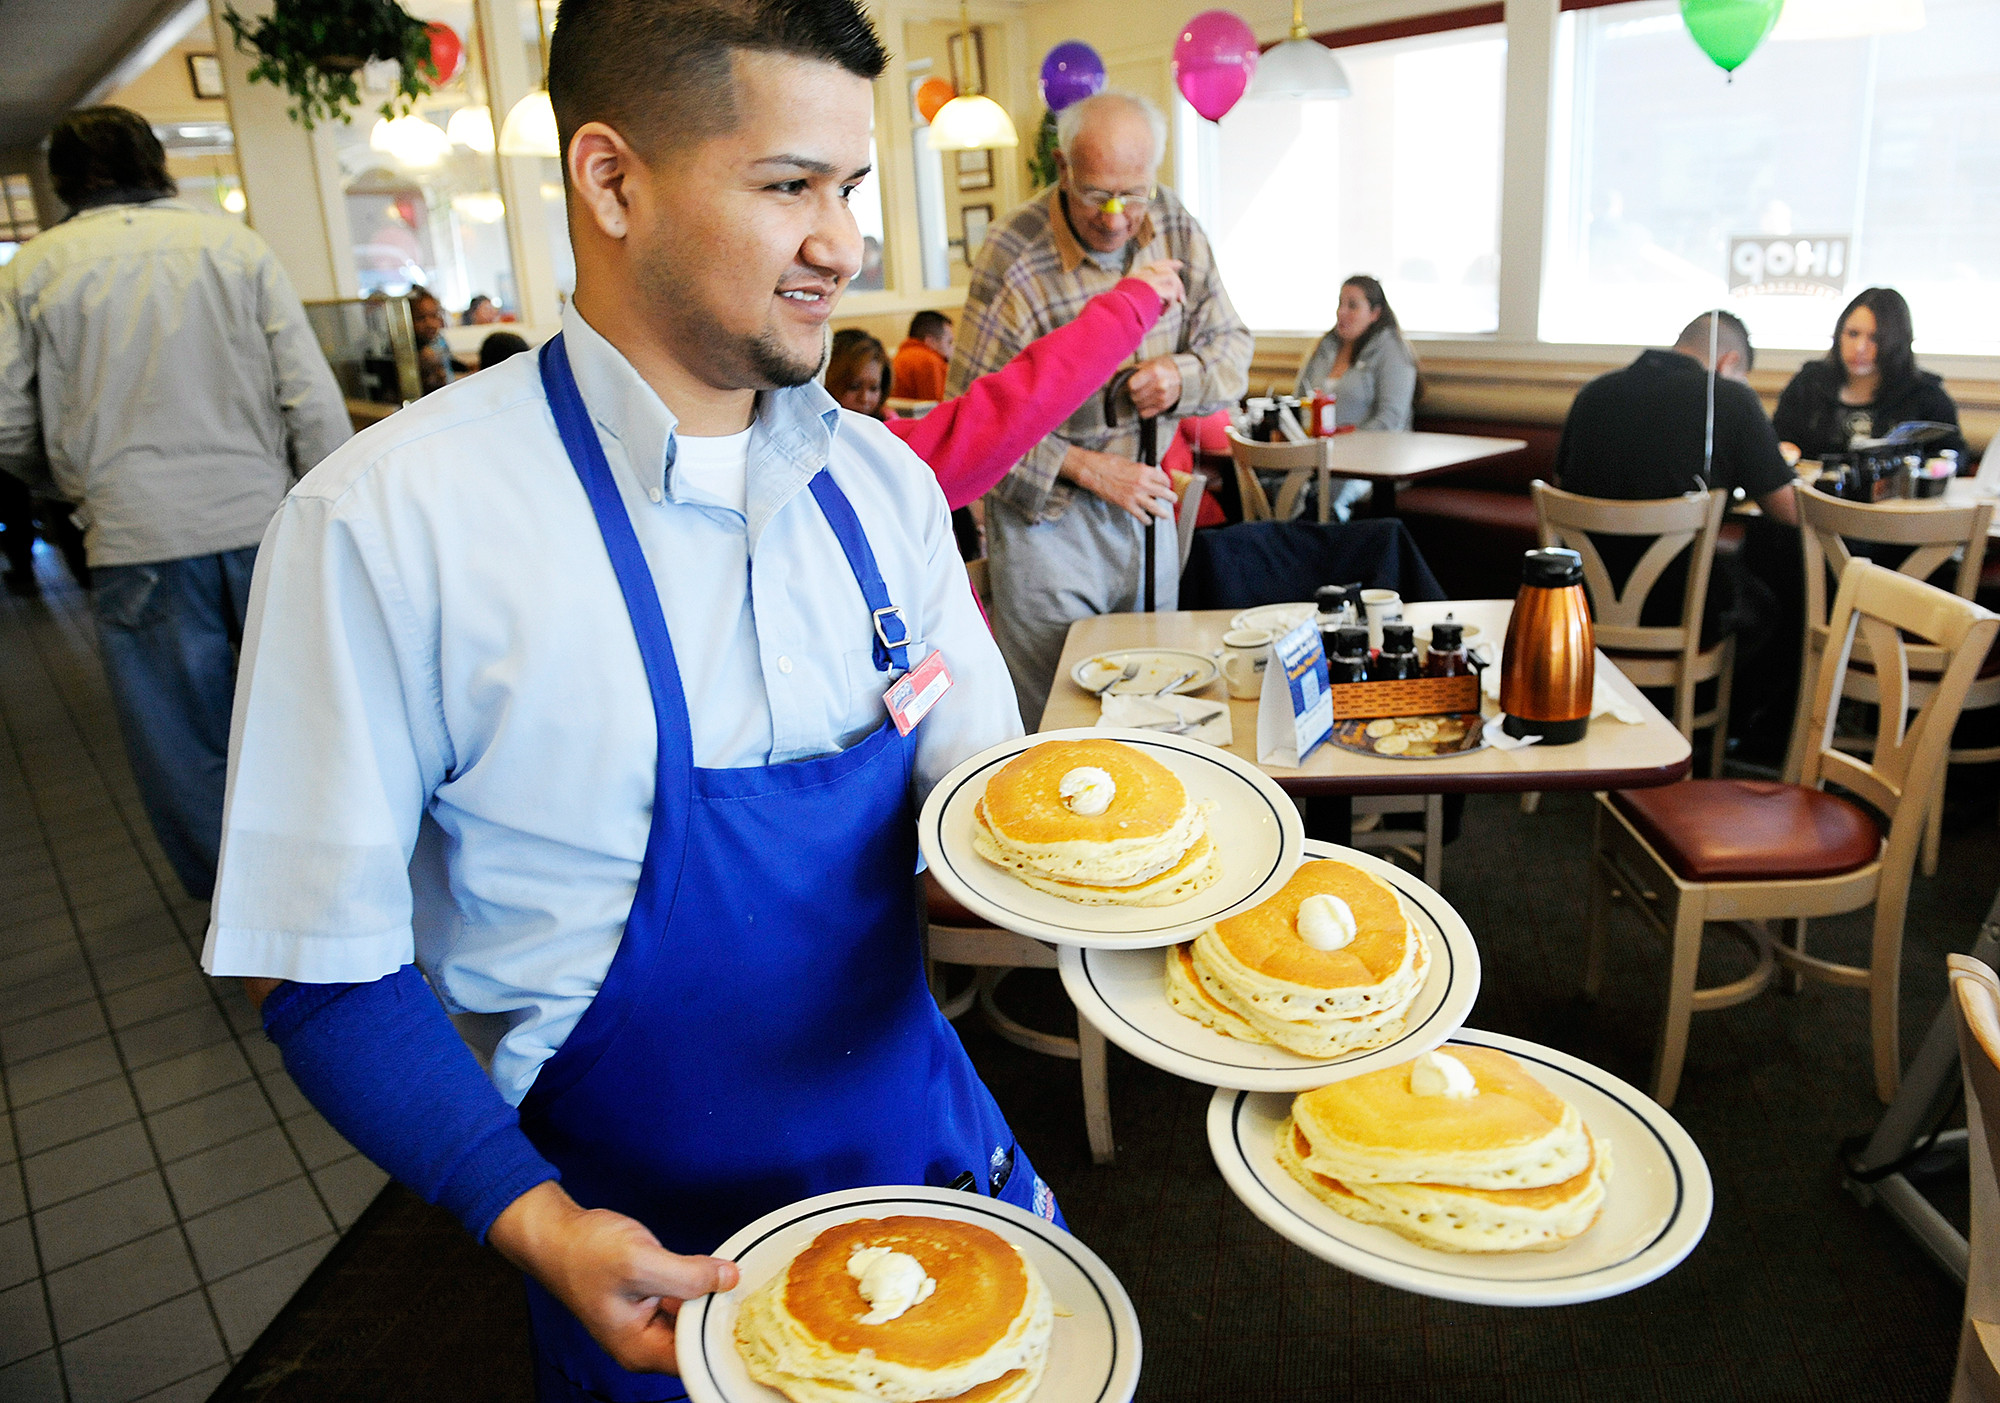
(1389, 460)
(1612, 755)
(1959, 492)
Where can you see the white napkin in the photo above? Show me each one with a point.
(1605, 699)
(1202, 719)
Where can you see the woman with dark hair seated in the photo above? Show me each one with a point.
(1367, 366)
(1865, 386)
(859, 375)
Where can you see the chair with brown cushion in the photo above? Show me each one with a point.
(954, 936)
(1976, 998)
(1754, 851)
(1299, 462)
(1936, 533)
(1651, 655)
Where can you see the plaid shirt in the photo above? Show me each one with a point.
(1033, 276)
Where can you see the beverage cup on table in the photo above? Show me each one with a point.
(1244, 654)
(1383, 606)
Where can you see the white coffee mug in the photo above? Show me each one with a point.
(1383, 606)
(1245, 651)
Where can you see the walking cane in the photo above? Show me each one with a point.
(1149, 454)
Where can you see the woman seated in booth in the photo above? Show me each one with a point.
(1865, 386)
(1367, 366)
(859, 375)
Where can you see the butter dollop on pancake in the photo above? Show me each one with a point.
(981, 1337)
(1254, 976)
(1148, 847)
(1512, 1168)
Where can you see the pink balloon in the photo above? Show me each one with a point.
(1213, 59)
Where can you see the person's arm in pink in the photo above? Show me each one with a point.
(970, 442)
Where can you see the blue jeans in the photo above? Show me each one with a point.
(169, 632)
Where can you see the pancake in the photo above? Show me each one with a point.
(1509, 1168)
(1451, 1219)
(981, 1336)
(1147, 847)
(1254, 977)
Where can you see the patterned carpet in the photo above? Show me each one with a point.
(1795, 1293)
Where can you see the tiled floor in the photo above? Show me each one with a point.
(164, 1188)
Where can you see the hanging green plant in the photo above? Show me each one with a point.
(1042, 165)
(314, 49)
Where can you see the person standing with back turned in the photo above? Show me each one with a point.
(161, 359)
(1066, 527)
(564, 712)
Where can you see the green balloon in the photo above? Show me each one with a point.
(1729, 31)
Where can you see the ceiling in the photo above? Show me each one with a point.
(59, 54)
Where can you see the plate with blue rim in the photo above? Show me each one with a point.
(1254, 825)
(1124, 995)
(1094, 1348)
(1656, 1205)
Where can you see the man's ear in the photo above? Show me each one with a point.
(1062, 166)
(1729, 365)
(603, 169)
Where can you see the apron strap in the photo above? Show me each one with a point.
(673, 781)
(892, 635)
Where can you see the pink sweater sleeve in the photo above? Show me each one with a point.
(970, 442)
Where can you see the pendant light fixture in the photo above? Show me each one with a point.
(1299, 70)
(971, 121)
(530, 128)
(1847, 19)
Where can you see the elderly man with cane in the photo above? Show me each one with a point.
(1067, 528)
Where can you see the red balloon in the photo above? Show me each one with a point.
(447, 51)
(932, 95)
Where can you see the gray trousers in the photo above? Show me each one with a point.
(1047, 575)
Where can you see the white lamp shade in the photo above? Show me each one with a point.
(1847, 19)
(480, 206)
(972, 123)
(472, 127)
(1298, 70)
(410, 141)
(530, 129)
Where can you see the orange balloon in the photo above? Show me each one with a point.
(932, 95)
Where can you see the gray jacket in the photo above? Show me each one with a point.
(156, 364)
(1378, 389)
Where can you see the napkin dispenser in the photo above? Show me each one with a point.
(1548, 672)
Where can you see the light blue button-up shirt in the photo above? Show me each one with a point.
(444, 747)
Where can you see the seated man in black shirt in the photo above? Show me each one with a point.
(1640, 433)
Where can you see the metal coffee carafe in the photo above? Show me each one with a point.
(1549, 670)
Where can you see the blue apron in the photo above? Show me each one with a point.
(764, 1032)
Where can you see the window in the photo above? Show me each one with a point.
(1401, 180)
(18, 220)
(1885, 152)
(423, 198)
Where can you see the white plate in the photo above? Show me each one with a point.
(1157, 667)
(1254, 825)
(1093, 1352)
(1655, 1209)
(1279, 618)
(1124, 993)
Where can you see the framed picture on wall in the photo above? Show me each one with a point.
(975, 170)
(205, 74)
(968, 72)
(975, 219)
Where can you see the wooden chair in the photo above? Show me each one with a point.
(1652, 655)
(1753, 851)
(1299, 462)
(954, 936)
(1187, 511)
(1937, 533)
(1976, 997)
(1425, 849)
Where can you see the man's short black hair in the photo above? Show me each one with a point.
(926, 325)
(498, 347)
(659, 71)
(97, 151)
(1730, 335)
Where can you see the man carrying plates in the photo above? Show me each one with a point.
(596, 694)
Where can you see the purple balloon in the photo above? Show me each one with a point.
(1071, 73)
(1213, 59)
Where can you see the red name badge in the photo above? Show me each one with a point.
(917, 691)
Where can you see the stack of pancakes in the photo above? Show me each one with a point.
(1254, 977)
(1149, 847)
(1511, 1169)
(982, 1336)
